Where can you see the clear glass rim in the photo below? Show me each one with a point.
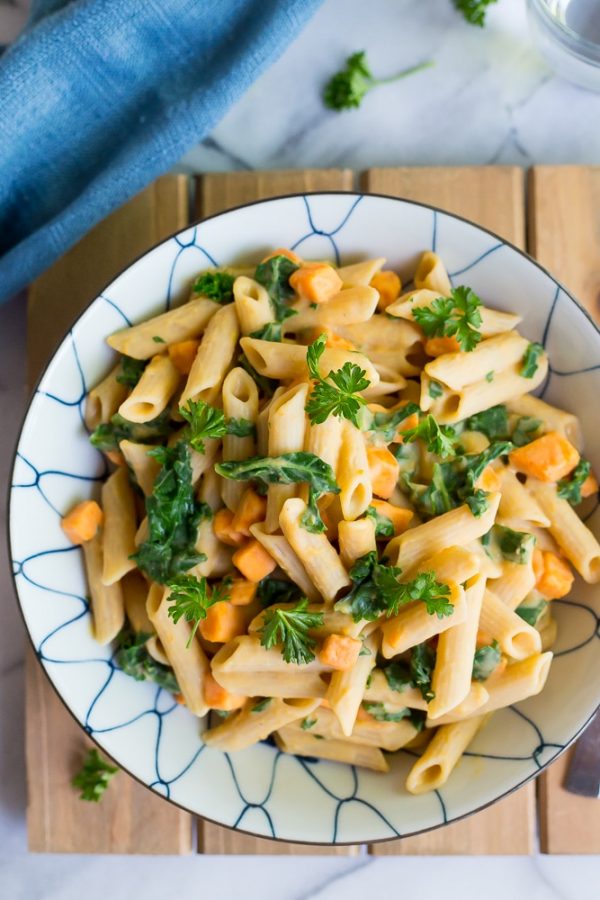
(578, 43)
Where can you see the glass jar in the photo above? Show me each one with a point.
(567, 33)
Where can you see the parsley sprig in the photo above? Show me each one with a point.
(290, 627)
(474, 10)
(337, 394)
(94, 777)
(376, 590)
(437, 438)
(190, 599)
(207, 422)
(454, 316)
(347, 88)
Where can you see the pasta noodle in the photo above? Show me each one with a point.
(343, 529)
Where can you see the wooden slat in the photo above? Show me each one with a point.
(222, 191)
(215, 193)
(564, 235)
(130, 819)
(492, 197)
(214, 839)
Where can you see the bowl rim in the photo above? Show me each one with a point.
(13, 459)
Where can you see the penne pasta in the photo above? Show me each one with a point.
(352, 473)
(516, 638)
(441, 756)
(213, 358)
(103, 401)
(108, 612)
(255, 722)
(414, 625)
(301, 743)
(180, 324)
(119, 532)
(153, 391)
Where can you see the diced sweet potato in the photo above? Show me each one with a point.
(548, 458)
(339, 651)
(316, 282)
(388, 284)
(82, 523)
(384, 470)
(252, 509)
(218, 697)
(183, 354)
(556, 578)
(253, 561)
(224, 530)
(223, 622)
(241, 592)
(398, 516)
(438, 346)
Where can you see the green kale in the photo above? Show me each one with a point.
(492, 422)
(397, 674)
(384, 527)
(131, 370)
(173, 517)
(570, 488)
(530, 360)
(525, 430)
(216, 286)
(133, 659)
(422, 664)
(385, 425)
(276, 590)
(515, 546)
(486, 660)
(274, 274)
(106, 437)
(531, 612)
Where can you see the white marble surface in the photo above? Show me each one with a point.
(489, 99)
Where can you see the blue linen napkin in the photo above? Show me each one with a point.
(99, 97)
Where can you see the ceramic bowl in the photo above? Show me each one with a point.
(261, 790)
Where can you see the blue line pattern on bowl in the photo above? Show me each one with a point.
(307, 767)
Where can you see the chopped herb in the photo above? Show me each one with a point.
(346, 89)
(290, 628)
(94, 777)
(384, 527)
(531, 613)
(204, 422)
(158, 340)
(376, 590)
(337, 394)
(422, 663)
(266, 386)
(437, 438)
(274, 275)
(525, 430)
(435, 390)
(319, 737)
(190, 599)
(385, 425)
(477, 502)
(262, 704)
(173, 517)
(486, 660)
(311, 517)
(530, 360)
(492, 422)
(474, 10)
(490, 376)
(455, 316)
(133, 659)
(131, 370)
(398, 676)
(515, 546)
(107, 436)
(217, 286)
(570, 488)
(307, 723)
(275, 590)
(379, 712)
(269, 332)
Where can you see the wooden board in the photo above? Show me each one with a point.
(492, 197)
(564, 234)
(130, 819)
(215, 193)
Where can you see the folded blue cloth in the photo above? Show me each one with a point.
(99, 97)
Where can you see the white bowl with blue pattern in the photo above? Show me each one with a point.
(261, 790)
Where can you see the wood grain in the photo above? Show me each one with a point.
(221, 191)
(492, 197)
(130, 819)
(215, 193)
(564, 235)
